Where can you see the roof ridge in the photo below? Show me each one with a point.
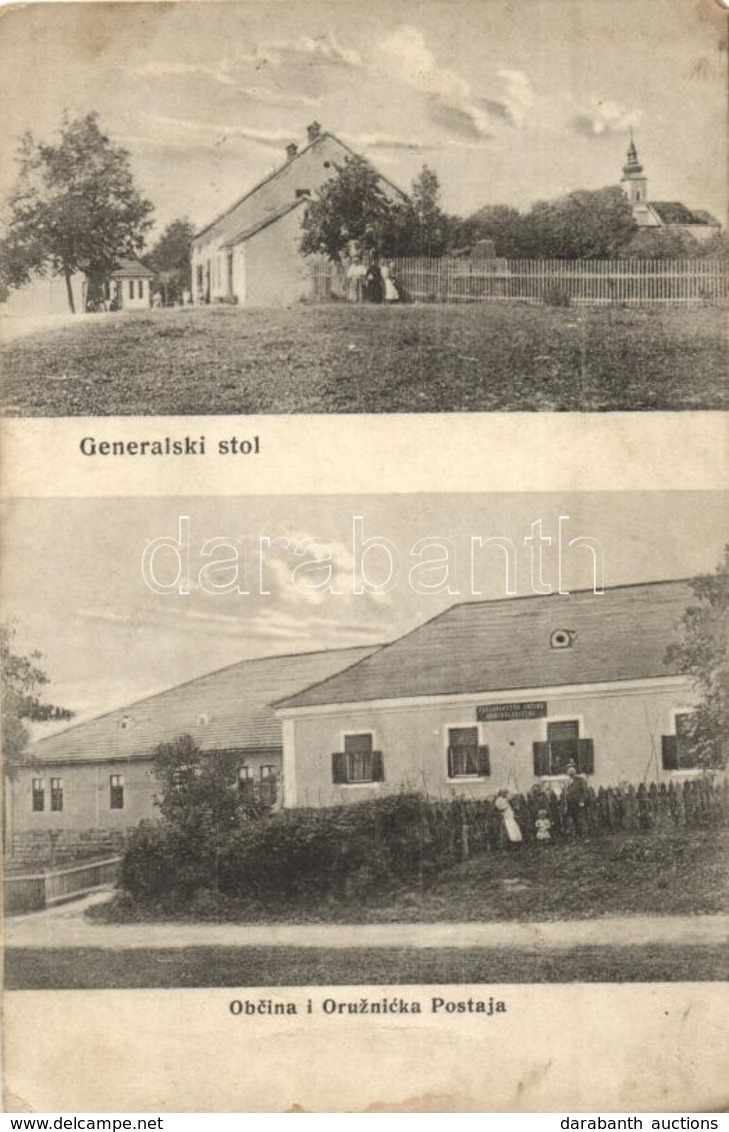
(280, 168)
(470, 604)
(194, 680)
(569, 593)
(269, 177)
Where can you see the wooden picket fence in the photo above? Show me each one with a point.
(460, 828)
(34, 891)
(598, 282)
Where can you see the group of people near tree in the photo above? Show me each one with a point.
(371, 283)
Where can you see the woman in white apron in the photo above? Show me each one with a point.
(511, 826)
(391, 295)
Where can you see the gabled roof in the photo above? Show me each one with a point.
(225, 710)
(265, 198)
(673, 212)
(131, 269)
(505, 645)
(705, 217)
(264, 222)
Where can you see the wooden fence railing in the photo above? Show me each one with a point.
(631, 282)
(465, 826)
(32, 892)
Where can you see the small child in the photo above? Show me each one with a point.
(543, 825)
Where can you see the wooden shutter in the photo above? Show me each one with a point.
(542, 758)
(339, 767)
(378, 767)
(484, 762)
(451, 766)
(669, 752)
(585, 756)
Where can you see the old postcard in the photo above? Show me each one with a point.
(318, 207)
(364, 581)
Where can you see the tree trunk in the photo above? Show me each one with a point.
(69, 291)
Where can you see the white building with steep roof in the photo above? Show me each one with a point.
(250, 254)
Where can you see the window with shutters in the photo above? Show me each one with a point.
(116, 791)
(131, 288)
(562, 748)
(57, 794)
(466, 758)
(358, 762)
(676, 750)
(39, 795)
(246, 784)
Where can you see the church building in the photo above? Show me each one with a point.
(667, 215)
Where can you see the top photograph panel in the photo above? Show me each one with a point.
(228, 208)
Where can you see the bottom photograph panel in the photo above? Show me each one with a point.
(419, 740)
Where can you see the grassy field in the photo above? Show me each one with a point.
(369, 359)
(94, 968)
(681, 872)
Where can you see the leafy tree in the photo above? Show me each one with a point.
(419, 225)
(170, 259)
(74, 207)
(202, 809)
(351, 206)
(22, 681)
(501, 223)
(586, 224)
(702, 651)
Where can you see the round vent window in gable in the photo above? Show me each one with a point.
(562, 639)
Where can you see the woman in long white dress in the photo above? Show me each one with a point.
(511, 825)
(391, 295)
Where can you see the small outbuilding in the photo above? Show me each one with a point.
(131, 285)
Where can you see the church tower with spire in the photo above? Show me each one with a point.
(635, 185)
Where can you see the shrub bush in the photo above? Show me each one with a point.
(556, 296)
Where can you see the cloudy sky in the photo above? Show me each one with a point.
(73, 573)
(509, 102)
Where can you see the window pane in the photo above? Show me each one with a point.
(358, 744)
(116, 791)
(563, 753)
(686, 756)
(57, 794)
(463, 750)
(463, 737)
(563, 729)
(39, 795)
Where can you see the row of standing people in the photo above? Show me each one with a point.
(375, 283)
(581, 811)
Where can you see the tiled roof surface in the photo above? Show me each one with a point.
(501, 645)
(276, 190)
(131, 269)
(234, 702)
(309, 168)
(673, 212)
(271, 218)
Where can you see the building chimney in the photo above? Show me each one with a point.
(291, 150)
(314, 130)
